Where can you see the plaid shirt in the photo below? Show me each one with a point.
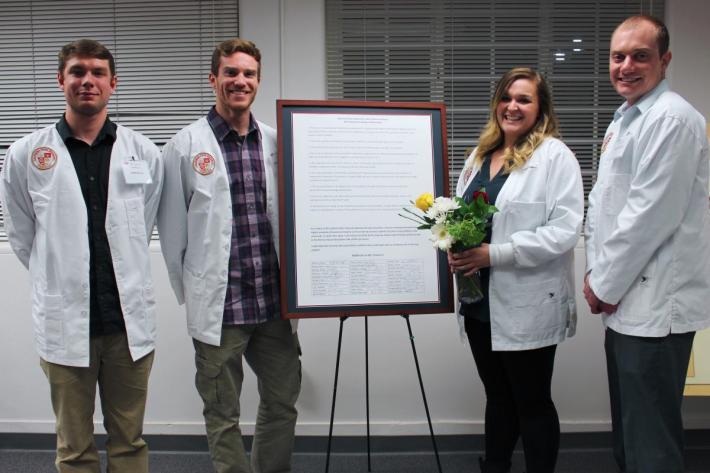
(253, 286)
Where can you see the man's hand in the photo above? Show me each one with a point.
(595, 305)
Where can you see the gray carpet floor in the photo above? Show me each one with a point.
(29, 461)
(578, 455)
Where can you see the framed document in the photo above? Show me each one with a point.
(346, 169)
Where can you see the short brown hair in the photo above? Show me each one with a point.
(231, 46)
(85, 48)
(663, 38)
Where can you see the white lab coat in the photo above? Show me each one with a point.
(46, 222)
(647, 234)
(531, 291)
(195, 223)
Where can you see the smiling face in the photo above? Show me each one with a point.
(518, 110)
(235, 84)
(635, 64)
(87, 84)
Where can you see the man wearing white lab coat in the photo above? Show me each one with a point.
(218, 226)
(648, 248)
(80, 199)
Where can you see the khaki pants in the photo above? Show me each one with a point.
(271, 350)
(123, 387)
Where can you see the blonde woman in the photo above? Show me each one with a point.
(525, 266)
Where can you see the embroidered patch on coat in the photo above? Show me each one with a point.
(44, 158)
(203, 163)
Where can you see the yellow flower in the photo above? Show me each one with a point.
(424, 201)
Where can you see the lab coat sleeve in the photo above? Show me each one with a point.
(17, 205)
(153, 190)
(172, 217)
(655, 205)
(564, 208)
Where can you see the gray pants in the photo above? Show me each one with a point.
(646, 381)
(273, 354)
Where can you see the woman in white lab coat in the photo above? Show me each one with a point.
(526, 268)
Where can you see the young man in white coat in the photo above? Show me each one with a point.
(219, 235)
(80, 200)
(648, 248)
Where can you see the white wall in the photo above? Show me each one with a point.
(291, 36)
(687, 21)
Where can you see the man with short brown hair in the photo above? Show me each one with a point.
(219, 235)
(80, 200)
(648, 248)
(233, 46)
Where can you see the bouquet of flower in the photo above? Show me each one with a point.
(456, 226)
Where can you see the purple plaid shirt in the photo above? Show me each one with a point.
(253, 286)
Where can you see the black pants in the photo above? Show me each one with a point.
(518, 402)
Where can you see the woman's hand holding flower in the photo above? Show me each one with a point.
(471, 260)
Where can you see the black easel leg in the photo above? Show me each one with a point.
(421, 385)
(335, 389)
(367, 393)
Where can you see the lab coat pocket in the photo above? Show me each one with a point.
(539, 308)
(54, 321)
(636, 303)
(521, 216)
(207, 380)
(135, 218)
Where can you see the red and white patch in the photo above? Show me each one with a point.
(44, 158)
(203, 163)
(606, 141)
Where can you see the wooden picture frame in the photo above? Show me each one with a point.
(346, 170)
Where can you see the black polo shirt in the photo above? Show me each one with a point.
(92, 163)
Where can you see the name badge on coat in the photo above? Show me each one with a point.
(136, 172)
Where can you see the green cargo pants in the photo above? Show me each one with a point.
(272, 352)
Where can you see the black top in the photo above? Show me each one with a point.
(92, 163)
(481, 310)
